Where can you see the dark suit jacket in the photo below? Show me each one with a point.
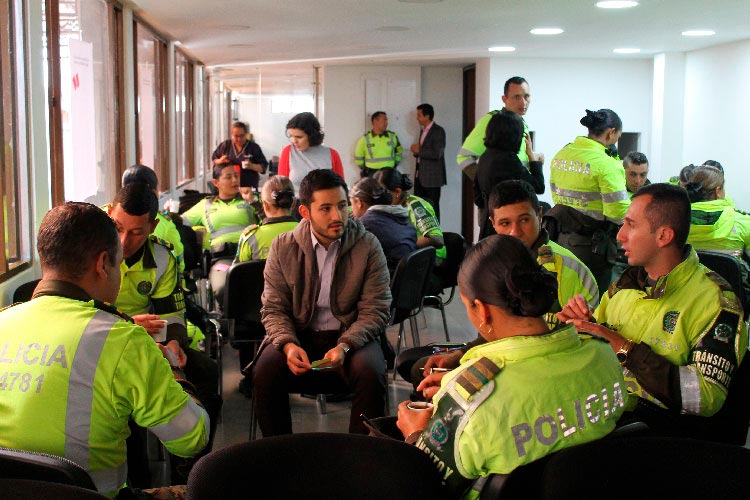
(432, 158)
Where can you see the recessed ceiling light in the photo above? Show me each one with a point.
(502, 49)
(698, 33)
(546, 31)
(626, 50)
(393, 28)
(616, 4)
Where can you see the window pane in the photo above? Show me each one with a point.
(14, 187)
(90, 138)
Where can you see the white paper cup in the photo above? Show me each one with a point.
(162, 335)
(419, 406)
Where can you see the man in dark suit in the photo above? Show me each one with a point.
(429, 152)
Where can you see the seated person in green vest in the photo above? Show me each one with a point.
(151, 291)
(484, 419)
(371, 203)
(224, 216)
(165, 230)
(675, 325)
(277, 197)
(79, 382)
(379, 148)
(515, 211)
(421, 213)
(715, 223)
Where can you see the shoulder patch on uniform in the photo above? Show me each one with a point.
(106, 306)
(249, 229)
(477, 375)
(729, 299)
(545, 254)
(161, 242)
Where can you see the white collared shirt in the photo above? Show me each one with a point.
(323, 318)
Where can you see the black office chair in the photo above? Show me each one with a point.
(696, 470)
(19, 464)
(730, 269)
(446, 276)
(317, 466)
(408, 288)
(242, 305)
(24, 291)
(25, 489)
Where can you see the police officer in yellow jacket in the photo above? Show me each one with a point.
(379, 148)
(588, 188)
(521, 395)
(151, 290)
(517, 98)
(74, 370)
(676, 326)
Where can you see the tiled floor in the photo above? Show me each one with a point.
(235, 423)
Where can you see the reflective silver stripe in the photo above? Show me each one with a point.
(369, 144)
(225, 230)
(206, 206)
(378, 160)
(587, 280)
(690, 390)
(161, 256)
(616, 196)
(252, 240)
(467, 152)
(733, 253)
(110, 480)
(578, 195)
(181, 424)
(81, 387)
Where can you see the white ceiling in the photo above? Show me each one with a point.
(240, 39)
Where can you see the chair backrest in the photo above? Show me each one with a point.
(24, 489)
(730, 269)
(696, 470)
(19, 464)
(322, 466)
(242, 292)
(455, 247)
(409, 283)
(24, 291)
(192, 247)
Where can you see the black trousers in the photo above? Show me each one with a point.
(363, 373)
(430, 194)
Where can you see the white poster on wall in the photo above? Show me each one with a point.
(80, 177)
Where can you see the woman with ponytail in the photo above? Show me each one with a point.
(588, 188)
(528, 391)
(277, 197)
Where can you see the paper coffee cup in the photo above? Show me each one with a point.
(419, 406)
(161, 336)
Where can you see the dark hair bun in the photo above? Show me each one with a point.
(593, 118)
(283, 199)
(530, 293)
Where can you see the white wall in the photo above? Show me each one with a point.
(442, 86)
(562, 89)
(346, 116)
(717, 106)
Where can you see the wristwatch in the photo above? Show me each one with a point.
(344, 347)
(622, 354)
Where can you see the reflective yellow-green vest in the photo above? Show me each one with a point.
(584, 177)
(717, 226)
(378, 151)
(73, 373)
(256, 240)
(223, 220)
(473, 146)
